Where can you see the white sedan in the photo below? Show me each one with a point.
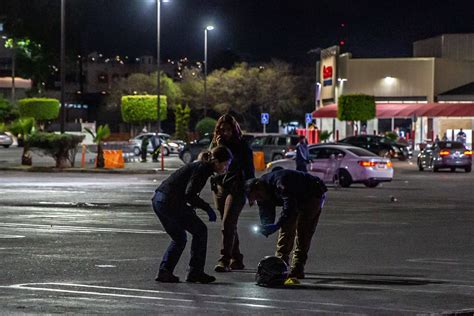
(341, 164)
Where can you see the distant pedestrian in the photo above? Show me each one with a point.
(302, 154)
(445, 137)
(174, 203)
(301, 196)
(436, 140)
(156, 145)
(144, 148)
(461, 136)
(229, 194)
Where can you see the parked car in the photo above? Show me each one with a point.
(274, 146)
(379, 145)
(192, 150)
(343, 163)
(451, 155)
(5, 140)
(169, 146)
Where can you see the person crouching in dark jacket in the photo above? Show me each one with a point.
(174, 203)
(301, 196)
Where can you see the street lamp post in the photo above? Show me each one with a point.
(207, 29)
(63, 65)
(158, 56)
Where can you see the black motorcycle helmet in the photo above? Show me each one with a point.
(271, 272)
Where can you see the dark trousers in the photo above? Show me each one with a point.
(177, 220)
(301, 166)
(155, 154)
(302, 226)
(229, 205)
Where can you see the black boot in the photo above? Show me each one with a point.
(166, 277)
(201, 277)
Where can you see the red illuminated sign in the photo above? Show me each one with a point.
(327, 72)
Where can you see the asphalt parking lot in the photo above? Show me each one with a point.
(90, 244)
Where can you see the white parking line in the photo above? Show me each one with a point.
(226, 300)
(81, 229)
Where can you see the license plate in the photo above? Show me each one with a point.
(381, 165)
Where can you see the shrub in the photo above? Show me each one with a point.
(356, 107)
(8, 112)
(391, 135)
(142, 108)
(41, 109)
(61, 147)
(206, 125)
(182, 121)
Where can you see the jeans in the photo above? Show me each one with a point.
(177, 219)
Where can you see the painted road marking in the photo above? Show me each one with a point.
(81, 229)
(3, 236)
(259, 302)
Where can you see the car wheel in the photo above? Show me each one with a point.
(435, 169)
(468, 169)
(277, 168)
(187, 157)
(453, 169)
(345, 179)
(420, 166)
(166, 151)
(136, 151)
(6, 146)
(371, 183)
(277, 157)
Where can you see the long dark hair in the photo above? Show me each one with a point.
(227, 119)
(219, 153)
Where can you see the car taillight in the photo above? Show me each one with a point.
(444, 153)
(468, 152)
(389, 164)
(367, 163)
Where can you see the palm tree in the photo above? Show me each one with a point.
(103, 131)
(23, 128)
(324, 136)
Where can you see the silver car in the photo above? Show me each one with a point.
(343, 163)
(5, 140)
(449, 155)
(169, 146)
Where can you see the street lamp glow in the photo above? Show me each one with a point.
(209, 27)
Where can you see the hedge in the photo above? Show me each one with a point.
(206, 125)
(143, 108)
(41, 109)
(62, 147)
(356, 107)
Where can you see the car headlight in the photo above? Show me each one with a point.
(269, 165)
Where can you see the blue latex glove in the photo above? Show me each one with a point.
(267, 230)
(212, 214)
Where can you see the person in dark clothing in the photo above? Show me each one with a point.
(144, 148)
(229, 195)
(156, 144)
(174, 203)
(302, 154)
(301, 196)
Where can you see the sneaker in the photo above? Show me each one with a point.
(236, 265)
(200, 278)
(221, 267)
(166, 277)
(296, 272)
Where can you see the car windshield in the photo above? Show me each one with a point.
(361, 152)
(449, 145)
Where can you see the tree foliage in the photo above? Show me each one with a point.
(103, 131)
(41, 109)
(23, 128)
(355, 107)
(137, 109)
(8, 112)
(58, 146)
(205, 126)
(182, 116)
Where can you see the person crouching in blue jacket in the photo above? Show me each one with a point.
(174, 203)
(301, 196)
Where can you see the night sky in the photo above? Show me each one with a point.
(264, 29)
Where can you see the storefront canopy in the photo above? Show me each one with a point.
(404, 110)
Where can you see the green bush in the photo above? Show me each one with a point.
(182, 121)
(143, 108)
(41, 109)
(8, 112)
(62, 147)
(356, 107)
(391, 135)
(206, 125)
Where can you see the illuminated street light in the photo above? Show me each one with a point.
(207, 29)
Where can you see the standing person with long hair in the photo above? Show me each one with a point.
(174, 203)
(229, 193)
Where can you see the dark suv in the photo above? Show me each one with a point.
(379, 145)
(274, 146)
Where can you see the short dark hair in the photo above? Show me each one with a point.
(251, 185)
(219, 153)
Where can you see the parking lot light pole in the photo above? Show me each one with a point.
(207, 29)
(158, 72)
(63, 65)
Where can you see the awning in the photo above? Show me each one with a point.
(405, 110)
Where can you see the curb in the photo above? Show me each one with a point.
(86, 170)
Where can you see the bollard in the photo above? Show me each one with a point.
(375, 132)
(316, 137)
(83, 158)
(337, 135)
(162, 158)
